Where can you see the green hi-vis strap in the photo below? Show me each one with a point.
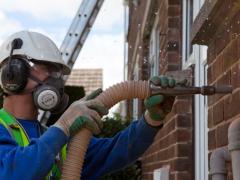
(14, 128)
(64, 153)
(55, 171)
(19, 135)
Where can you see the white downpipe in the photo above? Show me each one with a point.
(218, 160)
(234, 147)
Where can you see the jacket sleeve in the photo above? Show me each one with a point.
(105, 155)
(33, 161)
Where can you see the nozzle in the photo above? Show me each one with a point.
(179, 90)
(210, 90)
(223, 89)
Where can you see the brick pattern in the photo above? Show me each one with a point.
(173, 57)
(223, 60)
(135, 25)
(173, 144)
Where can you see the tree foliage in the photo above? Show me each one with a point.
(111, 126)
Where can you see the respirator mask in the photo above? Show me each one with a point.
(49, 94)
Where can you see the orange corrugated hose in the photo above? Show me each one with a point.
(77, 147)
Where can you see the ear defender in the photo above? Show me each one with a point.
(15, 80)
(14, 73)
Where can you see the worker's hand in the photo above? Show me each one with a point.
(158, 106)
(86, 112)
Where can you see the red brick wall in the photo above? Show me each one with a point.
(173, 144)
(174, 35)
(135, 23)
(224, 68)
(223, 59)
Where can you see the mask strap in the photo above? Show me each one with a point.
(34, 78)
(33, 89)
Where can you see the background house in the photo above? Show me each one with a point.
(200, 36)
(89, 79)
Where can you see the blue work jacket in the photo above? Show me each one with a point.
(104, 155)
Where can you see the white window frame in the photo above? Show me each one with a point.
(135, 109)
(126, 26)
(161, 173)
(154, 48)
(136, 78)
(197, 57)
(187, 54)
(201, 118)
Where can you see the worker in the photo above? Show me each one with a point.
(31, 76)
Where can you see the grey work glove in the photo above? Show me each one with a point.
(85, 112)
(158, 106)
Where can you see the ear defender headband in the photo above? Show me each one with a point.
(14, 73)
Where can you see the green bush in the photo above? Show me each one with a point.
(111, 126)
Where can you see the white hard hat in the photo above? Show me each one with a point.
(35, 46)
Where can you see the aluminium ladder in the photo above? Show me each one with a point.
(75, 38)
